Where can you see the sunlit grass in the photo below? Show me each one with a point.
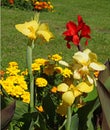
(95, 13)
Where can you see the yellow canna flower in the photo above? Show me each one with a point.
(85, 64)
(33, 29)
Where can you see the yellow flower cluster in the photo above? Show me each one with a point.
(38, 63)
(15, 84)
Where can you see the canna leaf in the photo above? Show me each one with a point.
(104, 96)
(74, 122)
(104, 76)
(7, 114)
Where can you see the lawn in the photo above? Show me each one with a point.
(96, 13)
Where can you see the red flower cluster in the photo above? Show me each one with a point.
(75, 32)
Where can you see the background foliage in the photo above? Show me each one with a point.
(96, 14)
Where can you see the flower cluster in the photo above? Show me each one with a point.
(51, 85)
(76, 32)
(43, 5)
(71, 82)
(14, 83)
(36, 5)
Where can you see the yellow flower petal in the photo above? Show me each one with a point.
(28, 28)
(97, 66)
(68, 98)
(44, 32)
(81, 58)
(75, 91)
(76, 74)
(84, 87)
(62, 87)
(64, 63)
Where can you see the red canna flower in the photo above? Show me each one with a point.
(75, 32)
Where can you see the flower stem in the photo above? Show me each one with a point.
(31, 77)
(79, 47)
(68, 118)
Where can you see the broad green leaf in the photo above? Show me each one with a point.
(85, 115)
(90, 115)
(21, 109)
(7, 115)
(104, 96)
(74, 122)
(104, 123)
(104, 76)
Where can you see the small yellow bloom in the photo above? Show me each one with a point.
(41, 61)
(67, 73)
(58, 69)
(41, 82)
(56, 57)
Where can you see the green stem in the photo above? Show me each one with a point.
(31, 77)
(79, 47)
(68, 118)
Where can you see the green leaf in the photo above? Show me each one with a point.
(86, 114)
(104, 76)
(74, 122)
(104, 96)
(7, 115)
(49, 108)
(90, 115)
(21, 109)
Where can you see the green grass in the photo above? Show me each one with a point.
(96, 13)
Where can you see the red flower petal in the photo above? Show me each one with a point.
(85, 31)
(76, 39)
